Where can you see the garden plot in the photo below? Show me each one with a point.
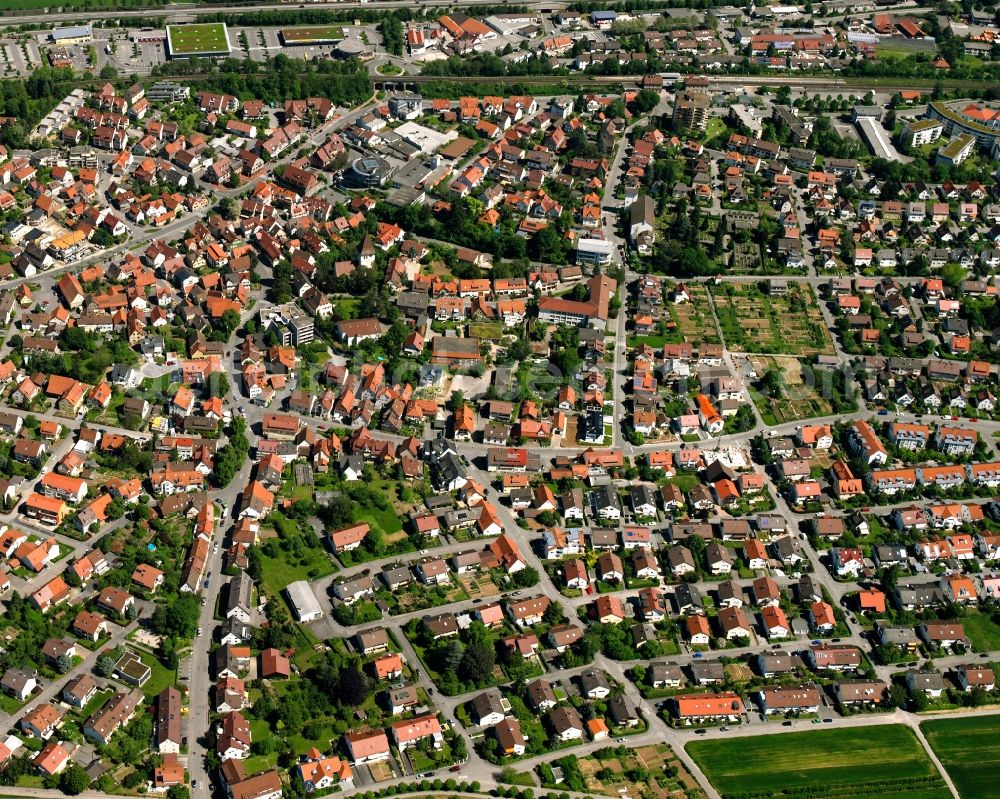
(797, 400)
(694, 320)
(788, 324)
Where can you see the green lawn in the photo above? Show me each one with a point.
(656, 342)
(685, 481)
(192, 39)
(94, 704)
(260, 730)
(983, 632)
(961, 743)
(162, 385)
(8, 704)
(492, 331)
(160, 678)
(346, 307)
(714, 127)
(885, 762)
(295, 560)
(387, 520)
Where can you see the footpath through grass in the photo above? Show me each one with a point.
(883, 762)
(969, 748)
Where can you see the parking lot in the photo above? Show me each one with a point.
(19, 56)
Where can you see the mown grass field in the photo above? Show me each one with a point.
(884, 762)
(207, 37)
(983, 632)
(967, 748)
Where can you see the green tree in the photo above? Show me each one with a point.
(646, 100)
(525, 578)
(352, 687)
(952, 275)
(477, 663)
(74, 780)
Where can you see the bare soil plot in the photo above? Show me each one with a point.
(380, 771)
(694, 320)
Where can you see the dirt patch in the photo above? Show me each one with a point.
(478, 586)
(380, 771)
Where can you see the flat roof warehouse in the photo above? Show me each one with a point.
(202, 39)
(303, 601)
(72, 34)
(317, 34)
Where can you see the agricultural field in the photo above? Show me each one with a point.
(754, 321)
(884, 762)
(209, 38)
(796, 400)
(954, 741)
(312, 34)
(649, 772)
(66, 5)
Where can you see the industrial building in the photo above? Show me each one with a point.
(77, 34)
(303, 601)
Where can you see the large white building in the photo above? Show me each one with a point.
(921, 132)
(303, 601)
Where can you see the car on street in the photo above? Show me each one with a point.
(697, 655)
(786, 724)
(199, 631)
(700, 732)
(828, 721)
(456, 767)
